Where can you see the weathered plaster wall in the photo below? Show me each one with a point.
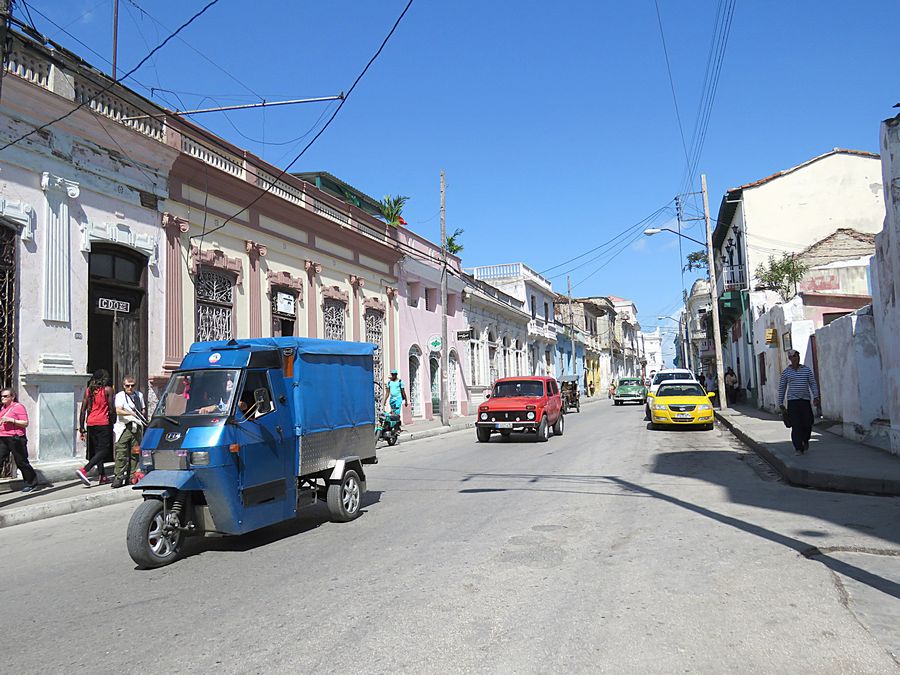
(886, 286)
(852, 382)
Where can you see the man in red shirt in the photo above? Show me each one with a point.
(13, 421)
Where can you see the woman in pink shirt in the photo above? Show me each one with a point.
(13, 420)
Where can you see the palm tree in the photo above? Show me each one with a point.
(391, 209)
(453, 245)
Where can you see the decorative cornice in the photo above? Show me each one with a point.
(254, 249)
(312, 268)
(216, 259)
(375, 304)
(21, 213)
(52, 182)
(335, 293)
(119, 233)
(285, 280)
(175, 224)
(391, 292)
(357, 282)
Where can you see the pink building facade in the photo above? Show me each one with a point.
(419, 289)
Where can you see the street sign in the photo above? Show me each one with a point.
(464, 334)
(435, 343)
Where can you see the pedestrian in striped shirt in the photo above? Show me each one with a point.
(799, 383)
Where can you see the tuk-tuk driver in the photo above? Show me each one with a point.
(395, 393)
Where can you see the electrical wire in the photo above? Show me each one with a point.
(272, 182)
(662, 36)
(162, 44)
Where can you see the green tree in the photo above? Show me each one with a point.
(453, 245)
(782, 274)
(392, 209)
(696, 261)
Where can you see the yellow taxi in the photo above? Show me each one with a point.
(681, 403)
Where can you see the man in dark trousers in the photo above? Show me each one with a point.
(799, 383)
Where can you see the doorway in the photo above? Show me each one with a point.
(117, 314)
(435, 386)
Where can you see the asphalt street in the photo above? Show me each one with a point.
(613, 548)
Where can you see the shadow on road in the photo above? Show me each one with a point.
(309, 519)
(689, 463)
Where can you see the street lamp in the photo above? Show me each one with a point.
(650, 231)
(710, 263)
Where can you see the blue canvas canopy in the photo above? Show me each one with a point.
(332, 385)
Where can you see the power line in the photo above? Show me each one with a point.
(606, 243)
(112, 83)
(272, 182)
(662, 36)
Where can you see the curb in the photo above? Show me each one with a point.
(48, 474)
(811, 478)
(63, 507)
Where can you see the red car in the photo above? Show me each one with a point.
(521, 404)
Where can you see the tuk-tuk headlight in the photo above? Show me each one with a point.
(483, 416)
(200, 458)
(530, 415)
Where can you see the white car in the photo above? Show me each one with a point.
(666, 375)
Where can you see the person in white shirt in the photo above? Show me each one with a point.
(128, 431)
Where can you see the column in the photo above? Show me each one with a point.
(313, 270)
(174, 227)
(356, 283)
(255, 252)
(392, 331)
(57, 249)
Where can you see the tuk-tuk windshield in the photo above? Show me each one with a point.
(198, 392)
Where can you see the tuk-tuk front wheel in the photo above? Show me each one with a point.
(152, 541)
(344, 497)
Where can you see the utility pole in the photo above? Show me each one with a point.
(714, 296)
(445, 345)
(4, 36)
(571, 323)
(115, 39)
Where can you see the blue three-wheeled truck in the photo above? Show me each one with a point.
(247, 432)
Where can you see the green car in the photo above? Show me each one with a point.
(630, 389)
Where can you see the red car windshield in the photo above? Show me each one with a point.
(518, 388)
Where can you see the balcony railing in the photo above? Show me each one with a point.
(734, 278)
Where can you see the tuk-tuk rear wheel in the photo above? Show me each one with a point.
(344, 497)
(149, 543)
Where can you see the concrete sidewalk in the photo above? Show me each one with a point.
(831, 463)
(61, 493)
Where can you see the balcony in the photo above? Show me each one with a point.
(510, 271)
(542, 329)
(731, 278)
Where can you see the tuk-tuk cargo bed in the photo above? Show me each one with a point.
(330, 385)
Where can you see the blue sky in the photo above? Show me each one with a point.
(554, 121)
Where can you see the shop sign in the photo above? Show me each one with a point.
(435, 343)
(465, 334)
(112, 305)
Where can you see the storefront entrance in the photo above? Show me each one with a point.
(117, 333)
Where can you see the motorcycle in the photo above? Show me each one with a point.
(387, 427)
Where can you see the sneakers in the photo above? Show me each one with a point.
(29, 488)
(83, 477)
(104, 480)
(117, 483)
(136, 477)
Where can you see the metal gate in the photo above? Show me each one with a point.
(375, 334)
(8, 239)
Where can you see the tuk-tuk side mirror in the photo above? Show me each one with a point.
(263, 400)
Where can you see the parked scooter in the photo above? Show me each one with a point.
(387, 427)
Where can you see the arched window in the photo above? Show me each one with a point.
(415, 381)
(434, 366)
(334, 312)
(215, 306)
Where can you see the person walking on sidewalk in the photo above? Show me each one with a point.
(128, 431)
(96, 426)
(799, 383)
(13, 421)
